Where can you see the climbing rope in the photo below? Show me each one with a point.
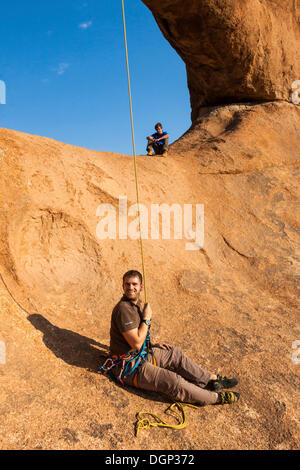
(134, 153)
(177, 408)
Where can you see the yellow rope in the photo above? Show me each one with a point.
(177, 408)
(134, 154)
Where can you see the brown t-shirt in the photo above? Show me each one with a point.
(126, 316)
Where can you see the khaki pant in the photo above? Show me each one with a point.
(176, 376)
(158, 148)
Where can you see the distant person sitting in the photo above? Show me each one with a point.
(158, 143)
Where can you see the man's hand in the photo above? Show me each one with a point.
(147, 312)
(162, 346)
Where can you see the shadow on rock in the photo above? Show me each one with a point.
(80, 351)
(74, 349)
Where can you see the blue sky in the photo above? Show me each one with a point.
(63, 63)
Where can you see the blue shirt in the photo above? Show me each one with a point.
(158, 136)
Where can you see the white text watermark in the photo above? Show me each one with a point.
(2, 352)
(2, 92)
(188, 222)
(295, 95)
(295, 358)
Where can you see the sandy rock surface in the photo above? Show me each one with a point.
(232, 305)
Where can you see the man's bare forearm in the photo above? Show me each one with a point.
(162, 138)
(142, 333)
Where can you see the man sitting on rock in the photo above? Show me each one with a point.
(164, 368)
(158, 142)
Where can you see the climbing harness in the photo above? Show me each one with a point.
(134, 358)
(128, 363)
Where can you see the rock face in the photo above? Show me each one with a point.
(232, 304)
(234, 51)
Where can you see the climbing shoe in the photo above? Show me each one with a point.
(227, 398)
(150, 153)
(164, 154)
(221, 382)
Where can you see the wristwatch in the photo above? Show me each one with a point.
(148, 322)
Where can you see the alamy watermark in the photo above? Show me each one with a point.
(188, 222)
(295, 96)
(2, 92)
(2, 352)
(295, 358)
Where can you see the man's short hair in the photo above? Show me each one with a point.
(133, 273)
(158, 124)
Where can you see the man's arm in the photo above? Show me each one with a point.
(136, 337)
(162, 138)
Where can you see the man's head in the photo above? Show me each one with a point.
(132, 284)
(159, 128)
